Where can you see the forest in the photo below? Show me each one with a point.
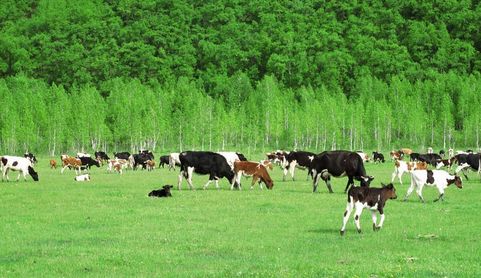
(246, 75)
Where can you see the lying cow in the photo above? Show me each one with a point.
(84, 177)
(256, 170)
(370, 198)
(164, 192)
(439, 178)
(16, 163)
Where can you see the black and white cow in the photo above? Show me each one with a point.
(122, 155)
(231, 157)
(470, 161)
(30, 156)
(299, 159)
(142, 158)
(339, 164)
(430, 158)
(87, 162)
(204, 163)
(101, 156)
(439, 178)
(164, 160)
(16, 163)
(378, 157)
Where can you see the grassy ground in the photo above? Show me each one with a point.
(109, 227)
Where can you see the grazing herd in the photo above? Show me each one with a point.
(233, 165)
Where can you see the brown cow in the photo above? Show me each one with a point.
(406, 151)
(71, 162)
(150, 165)
(53, 164)
(254, 169)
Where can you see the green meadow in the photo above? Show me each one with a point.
(109, 227)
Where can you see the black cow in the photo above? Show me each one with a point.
(468, 161)
(164, 160)
(298, 159)
(430, 158)
(339, 164)
(87, 162)
(100, 155)
(414, 156)
(31, 157)
(164, 192)
(142, 158)
(378, 157)
(204, 163)
(122, 155)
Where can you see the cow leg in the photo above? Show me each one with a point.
(61, 171)
(393, 176)
(441, 195)
(350, 182)
(18, 176)
(374, 220)
(347, 213)
(419, 191)
(410, 190)
(315, 180)
(254, 180)
(207, 184)
(292, 168)
(233, 182)
(357, 215)
(284, 170)
(179, 179)
(5, 174)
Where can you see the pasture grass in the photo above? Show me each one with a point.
(109, 227)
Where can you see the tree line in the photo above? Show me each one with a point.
(127, 114)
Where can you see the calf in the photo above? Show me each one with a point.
(71, 162)
(53, 164)
(164, 160)
(16, 163)
(401, 167)
(164, 192)
(439, 178)
(150, 165)
(84, 177)
(117, 165)
(297, 159)
(396, 155)
(378, 157)
(370, 198)
(339, 164)
(256, 170)
(174, 161)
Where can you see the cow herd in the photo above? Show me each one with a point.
(234, 165)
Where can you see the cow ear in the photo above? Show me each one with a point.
(390, 186)
(383, 185)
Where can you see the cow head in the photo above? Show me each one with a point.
(366, 181)
(33, 173)
(390, 191)
(457, 181)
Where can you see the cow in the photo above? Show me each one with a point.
(256, 170)
(164, 160)
(87, 162)
(363, 155)
(17, 163)
(173, 161)
(414, 156)
(163, 192)
(468, 161)
(297, 159)
(378, 157)
(30, 156)
(71, 162)
(84, 177)
(204, 163)
(101, 156)
(53, 164)
(150, 165)
(370, 198)
(277, 157)
(339, 164)
(122, 155)
(396, 155)
(401, 167)
(231, 157)
(117, 165)
(141, 159)
(430, 158)
(439, 178)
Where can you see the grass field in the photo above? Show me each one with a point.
(109, 227)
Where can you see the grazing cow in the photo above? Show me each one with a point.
(299, 159)
(84, 177)
(164, 160)
(439, 178)
(173, 161)
(378, 157)
(339, 164)
(363, 155)
(430, 150)
(430, 158)
(256, 170)
(53, 164)
(150, 165)
(204, 163)
(164, 192)
(406, 151)
(16, 163)
(370, 198)
(468, 161)
(79, 155)
(401, 167)
(71, 162)
(231, 157)
(30, 156)
(101, 156)
(122, 155)
(396, 155)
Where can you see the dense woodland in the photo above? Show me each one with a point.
(247, 75)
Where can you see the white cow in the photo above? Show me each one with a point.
(17, 163)
(439, 178)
